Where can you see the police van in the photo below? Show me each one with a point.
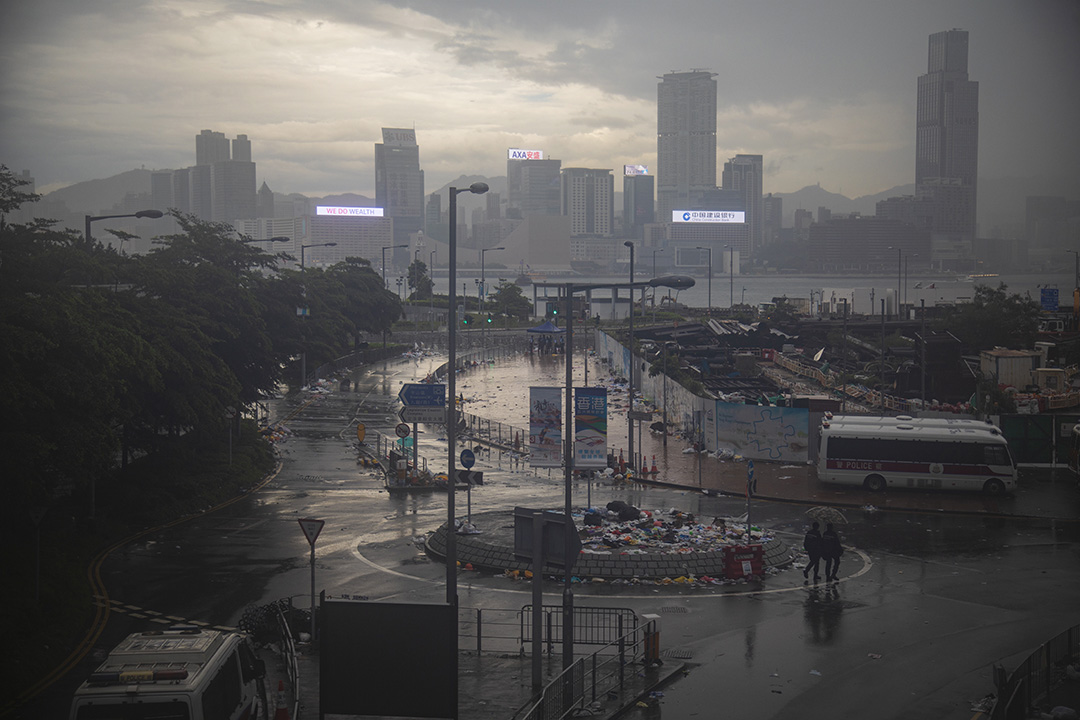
(183, 673)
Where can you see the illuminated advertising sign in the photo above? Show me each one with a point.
(635, 170)
(348, 211)
(708, 216)
(398, 136)
(518, 154)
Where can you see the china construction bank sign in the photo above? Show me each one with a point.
(708, 216)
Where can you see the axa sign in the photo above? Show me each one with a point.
(518, 154)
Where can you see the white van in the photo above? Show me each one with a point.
(183, 673)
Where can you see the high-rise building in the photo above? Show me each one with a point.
(588, 199)
(264, 203)
(742, 174)
(638, 205)
(685, 139)
(772, 218)
(399, 182)
(212, 147)
(232, 190)
(947, 136)
(241, 148)
(532, 184)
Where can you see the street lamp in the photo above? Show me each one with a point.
(677, 282)
(140, 214)
(478, 188)
(279, 238)
(385, 248)
(431, 294)
(731, 264)
(710, 275)
(630, 404)
(303, 312)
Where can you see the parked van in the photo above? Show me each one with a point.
(183, 673)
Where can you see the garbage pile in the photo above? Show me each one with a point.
(623, 529)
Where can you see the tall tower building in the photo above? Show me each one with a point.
(399, 182)
(742, 174)
(639, 208)
(241, 148)
(947, 136)
(772, 217)
(588, 199)
(685, 140)
(212, 147)
(533, 184)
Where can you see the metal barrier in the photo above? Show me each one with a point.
(590, 678)
(592, 626)
(288, 652)
(1038, 675)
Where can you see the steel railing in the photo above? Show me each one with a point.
(1037, 676)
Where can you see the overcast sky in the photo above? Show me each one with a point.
(824, 89)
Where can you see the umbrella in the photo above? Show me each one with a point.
(826, 514)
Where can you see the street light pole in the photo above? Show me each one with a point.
(710, 276)
(731, 262)
(630, 405)
(304, 313)
(451, 409)
(384, 249)
(139, 214)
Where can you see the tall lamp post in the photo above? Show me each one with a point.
(630, 404)
(87, 239)
(483, 287)
(139, 214)
(384, 249)
(678, 282)
(303, 312)
(731, 266)
(478, 188)
(431, 296)
(710, 275)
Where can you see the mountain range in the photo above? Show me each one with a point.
(1001, 201)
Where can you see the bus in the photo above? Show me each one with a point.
(912, 453)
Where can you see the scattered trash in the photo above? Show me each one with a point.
(815, 672)
(986, 704)
(873, 656)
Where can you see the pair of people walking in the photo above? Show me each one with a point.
(818, 546)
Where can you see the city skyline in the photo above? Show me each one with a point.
(830, 99)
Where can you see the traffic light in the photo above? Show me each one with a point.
(468, 319)
(489, 318)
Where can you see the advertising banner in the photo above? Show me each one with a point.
(635, 170)
(590, 428)
(545, 427)
(708, 216)
(348, 211)
(520, 154)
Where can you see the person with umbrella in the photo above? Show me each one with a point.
(831, 550)
(812, 546)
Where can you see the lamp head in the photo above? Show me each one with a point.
(149, 214)
(479, 188)
(675, 282)
(628, 244)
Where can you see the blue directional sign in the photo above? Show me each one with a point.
(468, 459)
(422, 395)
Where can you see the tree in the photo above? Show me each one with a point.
(510, 300)
(419, 281)
(993, 319)
(11, 197)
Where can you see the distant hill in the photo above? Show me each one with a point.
(99, 196)
(812, 197)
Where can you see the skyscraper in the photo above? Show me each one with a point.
(947, 136)
(532, 184)
(638, 204)
(212, 147)
(588, 199)
(685, 139)
(399, 182)
(742, 174)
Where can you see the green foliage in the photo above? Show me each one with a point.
(419, 281)
(11, 197)
(993, 319)
(508, 299)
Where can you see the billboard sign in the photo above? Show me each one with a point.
(635, 170)
(1048, 298)
(348, 211)
(519, 154)
(708, 216)
(545, 427)
(399, 137)
(590, 427)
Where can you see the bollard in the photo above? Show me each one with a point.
(652, 639)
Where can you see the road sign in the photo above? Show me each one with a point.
(469, 477)
(422, 395)
(639, 415)
(468, 458)
(422, 414)
(311, 528)
(401, 430)
(361, 432)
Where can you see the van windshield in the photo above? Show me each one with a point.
(174, 710)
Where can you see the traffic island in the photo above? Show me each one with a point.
(652, 548)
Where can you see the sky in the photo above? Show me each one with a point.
(824, 90)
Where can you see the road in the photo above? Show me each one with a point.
(927, 603)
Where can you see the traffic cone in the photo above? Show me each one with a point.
(653, 470)
(282, 710)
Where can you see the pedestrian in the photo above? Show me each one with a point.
(831, 550)
(812, 545)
